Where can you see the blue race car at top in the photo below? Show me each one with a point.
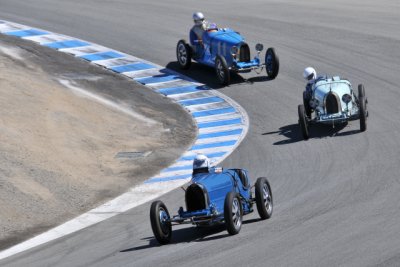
(217, 197)
(226, 51)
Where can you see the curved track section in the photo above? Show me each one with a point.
(222, 123)
(336, 195)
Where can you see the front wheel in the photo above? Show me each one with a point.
(222, 70)
(183, 54)
(271, 63)
(264, 198)
(362, 99)
(233, 213)
(303, 123)
(160, 224)
(361, 91)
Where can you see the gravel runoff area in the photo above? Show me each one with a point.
(65, 126)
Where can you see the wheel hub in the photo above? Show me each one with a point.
(236, 213)
(267, 198)
(220, 69)
(182, 54)
(163, 220)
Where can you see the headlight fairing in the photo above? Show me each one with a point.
(346, 98)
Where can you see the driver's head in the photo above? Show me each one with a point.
(201, 163)
(309, 73)
(198, 18)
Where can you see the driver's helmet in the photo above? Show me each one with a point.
(309, 73)
(198, 18)
(201, 162)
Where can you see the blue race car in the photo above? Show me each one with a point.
(333, 101)
(214, 198)
(226, 51)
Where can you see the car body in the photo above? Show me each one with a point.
(226, 51)
(333, 101)
(220, 196)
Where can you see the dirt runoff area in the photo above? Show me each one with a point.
(69, 137)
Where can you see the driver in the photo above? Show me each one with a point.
(201, 164)
(196, 33)
(199, 27)
(310, 75)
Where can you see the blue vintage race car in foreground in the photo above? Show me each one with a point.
(214, 198)
(333, 101)
(226, 51)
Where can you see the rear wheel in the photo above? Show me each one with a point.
(306, 103)
(160, 225)
(363, 114)
(264, 198)
(222, 71)
(183, 54)
(233, 213)
(303, 122)
(271, 63)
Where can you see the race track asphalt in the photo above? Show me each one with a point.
(336, 195)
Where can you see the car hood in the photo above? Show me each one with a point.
(213, 181)
(339, 86)
(226, 35)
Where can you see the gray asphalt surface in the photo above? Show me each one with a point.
(336, 196)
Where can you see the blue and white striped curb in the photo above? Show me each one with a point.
(221, 122)
(222, 125)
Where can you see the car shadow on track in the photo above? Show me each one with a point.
(207, 76)
(191, 234)
(293, 134)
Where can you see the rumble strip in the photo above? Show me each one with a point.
(222, 123)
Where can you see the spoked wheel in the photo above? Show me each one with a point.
(222, 71)
(271, 63)
(264, 198)
(160, 225)
(363, 108)
(233, 213)
(183, 54)
(303, 122)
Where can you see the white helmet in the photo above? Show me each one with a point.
(201, 161)
(309, 73)
(198, 18)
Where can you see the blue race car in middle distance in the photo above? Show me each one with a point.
(226, 51)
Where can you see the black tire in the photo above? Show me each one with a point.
(361, 91)
(363, 114)
(162, 230)
(233, 213)
(271, 63)
(303, 122)
(362, 101)
(222, 71)
(264, 199)
(183, 54)
(306, 104)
